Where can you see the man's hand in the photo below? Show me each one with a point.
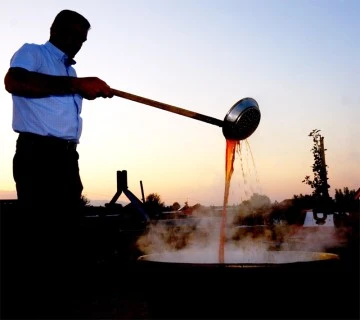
(92, 87)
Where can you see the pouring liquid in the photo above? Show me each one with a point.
(229, 169)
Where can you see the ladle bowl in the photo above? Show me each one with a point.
(242, 119)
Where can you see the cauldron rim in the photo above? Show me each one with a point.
(317, 258)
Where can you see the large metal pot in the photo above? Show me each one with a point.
(282, 284)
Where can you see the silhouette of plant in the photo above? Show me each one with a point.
(319, 183)
(84, 201)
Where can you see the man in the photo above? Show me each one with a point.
(47, 102)
(42, 246)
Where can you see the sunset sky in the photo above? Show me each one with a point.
(299, 59)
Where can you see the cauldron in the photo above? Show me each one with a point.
(277, 284)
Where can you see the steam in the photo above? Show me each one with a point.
(196, 240)
(316, 239)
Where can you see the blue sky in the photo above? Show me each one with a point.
(298, 59)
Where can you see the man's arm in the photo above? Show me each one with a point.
(21, 82)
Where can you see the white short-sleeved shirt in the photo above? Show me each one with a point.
(57, 116)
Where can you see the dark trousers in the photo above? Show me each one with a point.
(46, 173)
(42, 266)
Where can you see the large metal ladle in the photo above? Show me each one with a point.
(239, 123)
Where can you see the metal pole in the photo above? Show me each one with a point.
(142, 191)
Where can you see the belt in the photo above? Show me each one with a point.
(47, 141)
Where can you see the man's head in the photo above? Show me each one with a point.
(69, 31)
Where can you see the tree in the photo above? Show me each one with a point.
(176, 206)
(153, 205)
(258, 201)
(84, 201)
(319, 183)
(253, 211)
(345, 200)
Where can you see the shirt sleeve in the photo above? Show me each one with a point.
(27, 57)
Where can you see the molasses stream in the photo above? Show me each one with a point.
(239, 123)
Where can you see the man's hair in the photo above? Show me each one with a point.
(68, 17)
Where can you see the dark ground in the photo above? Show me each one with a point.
(113, 285)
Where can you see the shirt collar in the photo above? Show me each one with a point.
(61, 56)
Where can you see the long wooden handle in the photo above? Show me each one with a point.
(168, 107)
